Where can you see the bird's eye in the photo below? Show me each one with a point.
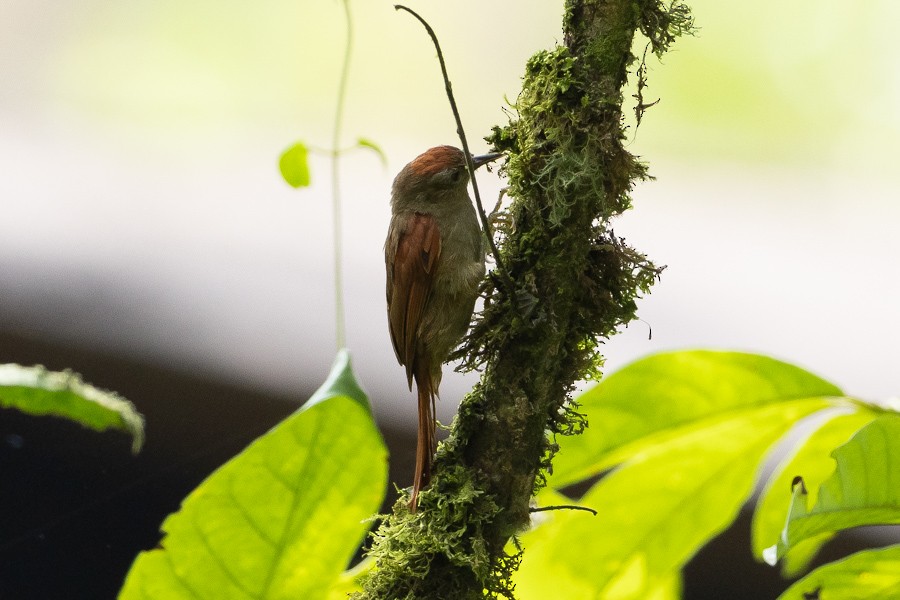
(456, 175)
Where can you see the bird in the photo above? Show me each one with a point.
(435, 260)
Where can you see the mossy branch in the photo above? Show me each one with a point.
(575, 283)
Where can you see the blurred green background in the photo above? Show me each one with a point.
(140, 141)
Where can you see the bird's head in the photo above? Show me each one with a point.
(437, 171)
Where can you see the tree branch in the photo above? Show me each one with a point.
(575, 283)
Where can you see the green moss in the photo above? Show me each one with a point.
(444, 536)
(574, 282)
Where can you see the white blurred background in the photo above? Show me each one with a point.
(143, 213)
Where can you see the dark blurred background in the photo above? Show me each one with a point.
(147, 241)
(76, 506)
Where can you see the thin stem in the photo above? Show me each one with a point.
(462, 137)
(340, 327)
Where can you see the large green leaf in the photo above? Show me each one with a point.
(863, 490)
(811, 459)
(866, 575)
(37, 391)
(655, 511)
(668, 395)
(283, 518)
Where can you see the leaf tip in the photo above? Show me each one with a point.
(341, 381)
(368, 144)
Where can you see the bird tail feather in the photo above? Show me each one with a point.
(425, 444)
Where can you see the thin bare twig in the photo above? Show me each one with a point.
(462, 138)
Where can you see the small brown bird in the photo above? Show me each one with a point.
(434, 256)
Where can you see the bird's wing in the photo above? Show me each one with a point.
(412, 253)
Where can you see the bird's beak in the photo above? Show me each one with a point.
(485, 158)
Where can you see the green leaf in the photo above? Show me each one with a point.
(294, 165)
(340, 382)
(812, 459)
(350, 581)
(669, 588)
(369, 144)
(656, 510)
(666, 395)
(283, 518)
(863, 490)
(37, 391)
(866, 575)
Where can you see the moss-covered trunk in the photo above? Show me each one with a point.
(574, 283)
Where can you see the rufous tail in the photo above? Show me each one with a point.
(425, 445)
